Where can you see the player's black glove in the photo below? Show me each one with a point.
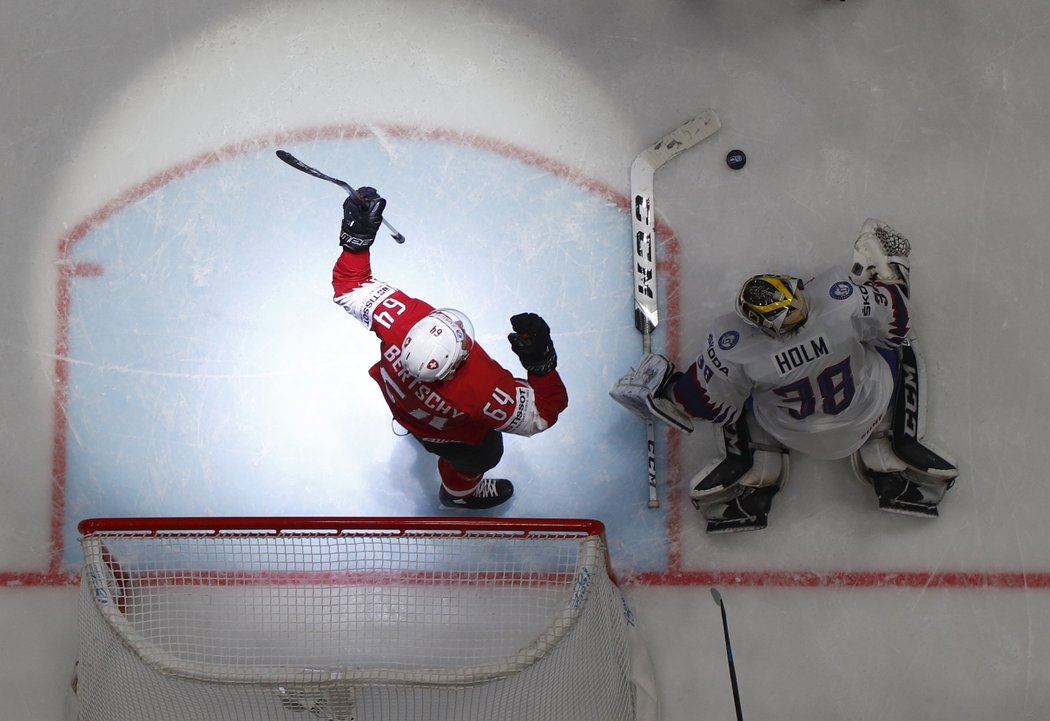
(362, 217)
(531, 342)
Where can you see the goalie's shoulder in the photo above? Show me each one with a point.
(733, 338)
(836, 288)
(731, 346)
(834, 282)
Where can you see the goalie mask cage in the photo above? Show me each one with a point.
(357, 618)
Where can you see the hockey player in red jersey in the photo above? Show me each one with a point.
(440, 384)
(823, 367)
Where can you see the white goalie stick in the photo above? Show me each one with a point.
(643, 224)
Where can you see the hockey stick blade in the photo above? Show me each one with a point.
(643, 214)
(300, 165)
(681, 138)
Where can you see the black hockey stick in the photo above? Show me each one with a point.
(300, 165)
(729, 653)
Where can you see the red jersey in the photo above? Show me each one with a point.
(480, 396)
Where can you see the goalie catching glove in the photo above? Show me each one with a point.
(881, 253)
(645, 392)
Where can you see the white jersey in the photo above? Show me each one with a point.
(820, 390)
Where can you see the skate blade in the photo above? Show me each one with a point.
(718, 527)
(909, 509)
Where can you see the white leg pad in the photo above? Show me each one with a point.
(736, 492)
(877, 454)
(769, 467)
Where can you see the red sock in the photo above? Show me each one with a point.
(457, 483)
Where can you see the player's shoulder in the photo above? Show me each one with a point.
(480, 374)
(393, 314)
(479, 361)
(834, 287)
(830, 279)
(733, 338)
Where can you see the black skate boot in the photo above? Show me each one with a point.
(747, 512)
(490, 492)
(898, 494)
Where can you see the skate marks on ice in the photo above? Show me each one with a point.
(209, 373)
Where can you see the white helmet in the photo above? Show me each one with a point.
(437, 344)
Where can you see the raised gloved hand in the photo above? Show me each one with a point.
(362, 216)
(881, 253)
(531, 342)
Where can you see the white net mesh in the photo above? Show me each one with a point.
(349, 624)
(893, 243)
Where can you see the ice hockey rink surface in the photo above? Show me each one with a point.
(169, 345)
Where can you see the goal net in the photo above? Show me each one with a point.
(365, 619)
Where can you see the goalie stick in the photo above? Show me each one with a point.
(300, 165)
(643, 224)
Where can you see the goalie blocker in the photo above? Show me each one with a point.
(644, 392)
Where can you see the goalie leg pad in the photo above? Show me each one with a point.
(736, 492)
(904, 491)
(908, 475)
(909, 420)
(877, 455)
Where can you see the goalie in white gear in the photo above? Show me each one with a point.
(822, 367)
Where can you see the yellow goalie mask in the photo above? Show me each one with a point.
(774, 303)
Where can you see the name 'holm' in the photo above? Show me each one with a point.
(801, 354)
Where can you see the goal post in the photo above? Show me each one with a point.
(494, 619)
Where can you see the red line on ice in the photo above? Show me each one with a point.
(676, 575)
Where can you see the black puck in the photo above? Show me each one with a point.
(736, 159)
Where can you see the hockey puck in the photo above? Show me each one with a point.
(736, 159)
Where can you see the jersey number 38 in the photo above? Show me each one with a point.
(834, 387)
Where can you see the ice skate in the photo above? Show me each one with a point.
(747, 512)
(898, 494)
(489, 493)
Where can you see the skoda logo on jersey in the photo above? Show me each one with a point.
(728, 339)
(841, 290)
